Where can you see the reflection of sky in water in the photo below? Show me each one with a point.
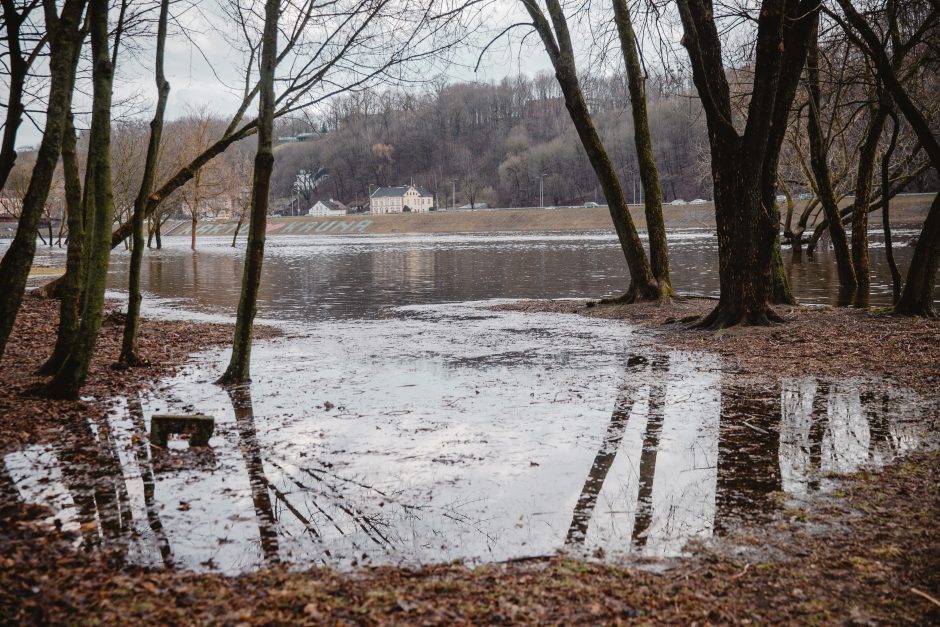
(458, 433)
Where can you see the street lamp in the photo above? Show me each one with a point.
(542, 190)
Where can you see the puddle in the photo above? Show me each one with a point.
(449, 433)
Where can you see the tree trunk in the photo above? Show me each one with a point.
(643, 285)
(744, 165)
(746, 234)
(863, 181)
(70, 289)
(74, 371)
(16, 72)
(241, 220)
(649, 174)
(917, 295)
(14, 268)
(129, 354)
(819, 162)
(886, 209)
(781, 294)
(238, 370)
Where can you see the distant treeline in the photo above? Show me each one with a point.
(491, 143)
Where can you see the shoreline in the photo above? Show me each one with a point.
(905, 210)
(854, 554)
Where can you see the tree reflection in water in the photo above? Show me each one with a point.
(756, 440)
(688, 451)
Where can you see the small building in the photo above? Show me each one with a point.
(327, 208)
(406, 198)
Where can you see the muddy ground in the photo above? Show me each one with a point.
(816, 341)
(869, 553)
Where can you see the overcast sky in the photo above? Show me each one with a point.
(194, 83)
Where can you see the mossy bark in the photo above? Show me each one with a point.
(557, 42)
(71, 376)
(63, 30)
(643, 142)
(744, 165)
(238, 370)
(129, 354)
(70, 290)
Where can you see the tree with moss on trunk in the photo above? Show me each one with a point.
(238, 370)
(64, 30)
(744, 164)
(643, 141)
(71, 376)
(129, 353)
(556, 39)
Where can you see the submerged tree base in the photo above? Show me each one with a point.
(661, 294)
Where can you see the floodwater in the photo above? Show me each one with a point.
(313, 278)
(402, 422)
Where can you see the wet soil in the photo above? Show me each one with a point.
(813, 341)
(165, 345)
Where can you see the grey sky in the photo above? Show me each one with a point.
(194, 83)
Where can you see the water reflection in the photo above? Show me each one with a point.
(480, 442)
(254, 464)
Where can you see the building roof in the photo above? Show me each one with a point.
(397, 192)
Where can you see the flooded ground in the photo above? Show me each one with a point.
(452, 433)
(389, 428)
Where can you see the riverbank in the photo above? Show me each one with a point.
(866, 553)
(905, 210)
(814, 341)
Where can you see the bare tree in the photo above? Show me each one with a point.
(129, 353)
(643, 141)
(74, 370)
(238, 368)
(64, 30)
(744, 164)
(908, 26)
(25, 42)
(556, 40)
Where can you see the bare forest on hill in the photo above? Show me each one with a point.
(490, 143)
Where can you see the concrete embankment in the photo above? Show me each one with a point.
(905, 210)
